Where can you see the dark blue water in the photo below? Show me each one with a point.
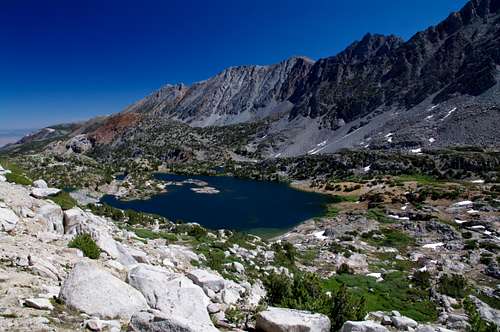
(245, 205)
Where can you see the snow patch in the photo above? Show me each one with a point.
(477, 181)
(367, 168)
(449, 113)
(419, 150)
(320, 235)
(463, 203)
(433, 245)
(432, 140)
(393, 216)
(461, 221)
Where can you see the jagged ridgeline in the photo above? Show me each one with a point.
(437, 89)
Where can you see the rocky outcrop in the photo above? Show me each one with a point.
(96, 292)
(286, 320)
(182, 304)
(79, 144)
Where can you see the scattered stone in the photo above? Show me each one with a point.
(362, 326)
(39, 303)
(206, 279)
(96, 324)
(403, 323)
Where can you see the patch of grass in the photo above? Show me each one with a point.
(394, 293)
(344, 198)
(331, 211)
(64, 200)
(421, 179)
(86, 244)
(391, 238)
(378, 215)
(18, 175)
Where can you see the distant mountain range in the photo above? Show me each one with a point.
(13, 135)
(440, 88)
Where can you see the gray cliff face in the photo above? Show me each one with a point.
(238, 94)
(458, 56)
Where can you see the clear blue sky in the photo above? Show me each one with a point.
(64, 60)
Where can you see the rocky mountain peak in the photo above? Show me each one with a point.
(370, 45)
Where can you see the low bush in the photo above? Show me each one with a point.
(453, 285)
(86, 244)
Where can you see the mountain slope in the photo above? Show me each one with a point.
(438, 89)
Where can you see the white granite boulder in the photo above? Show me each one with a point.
(287, 320)
(44, 192)
(96, 292)
(8, 219)
(363, 326)
(40, 184)
(181, 302)
(206, 279)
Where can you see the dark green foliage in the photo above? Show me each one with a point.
(453, 285)
(305, 292)
(422, 279)
(470, 244)
(285, 254)
(64, 200)
(476, 323)
(215, 259)
(197, 232)
(344, 269)
(346, 307)
(467, 235)
(86, 244)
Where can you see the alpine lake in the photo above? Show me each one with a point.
(215, 202)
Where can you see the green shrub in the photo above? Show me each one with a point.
(453, 285)
(422, 279)
(344, 269)
(86, 244)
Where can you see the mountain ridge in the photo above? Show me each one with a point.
(379, 92)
